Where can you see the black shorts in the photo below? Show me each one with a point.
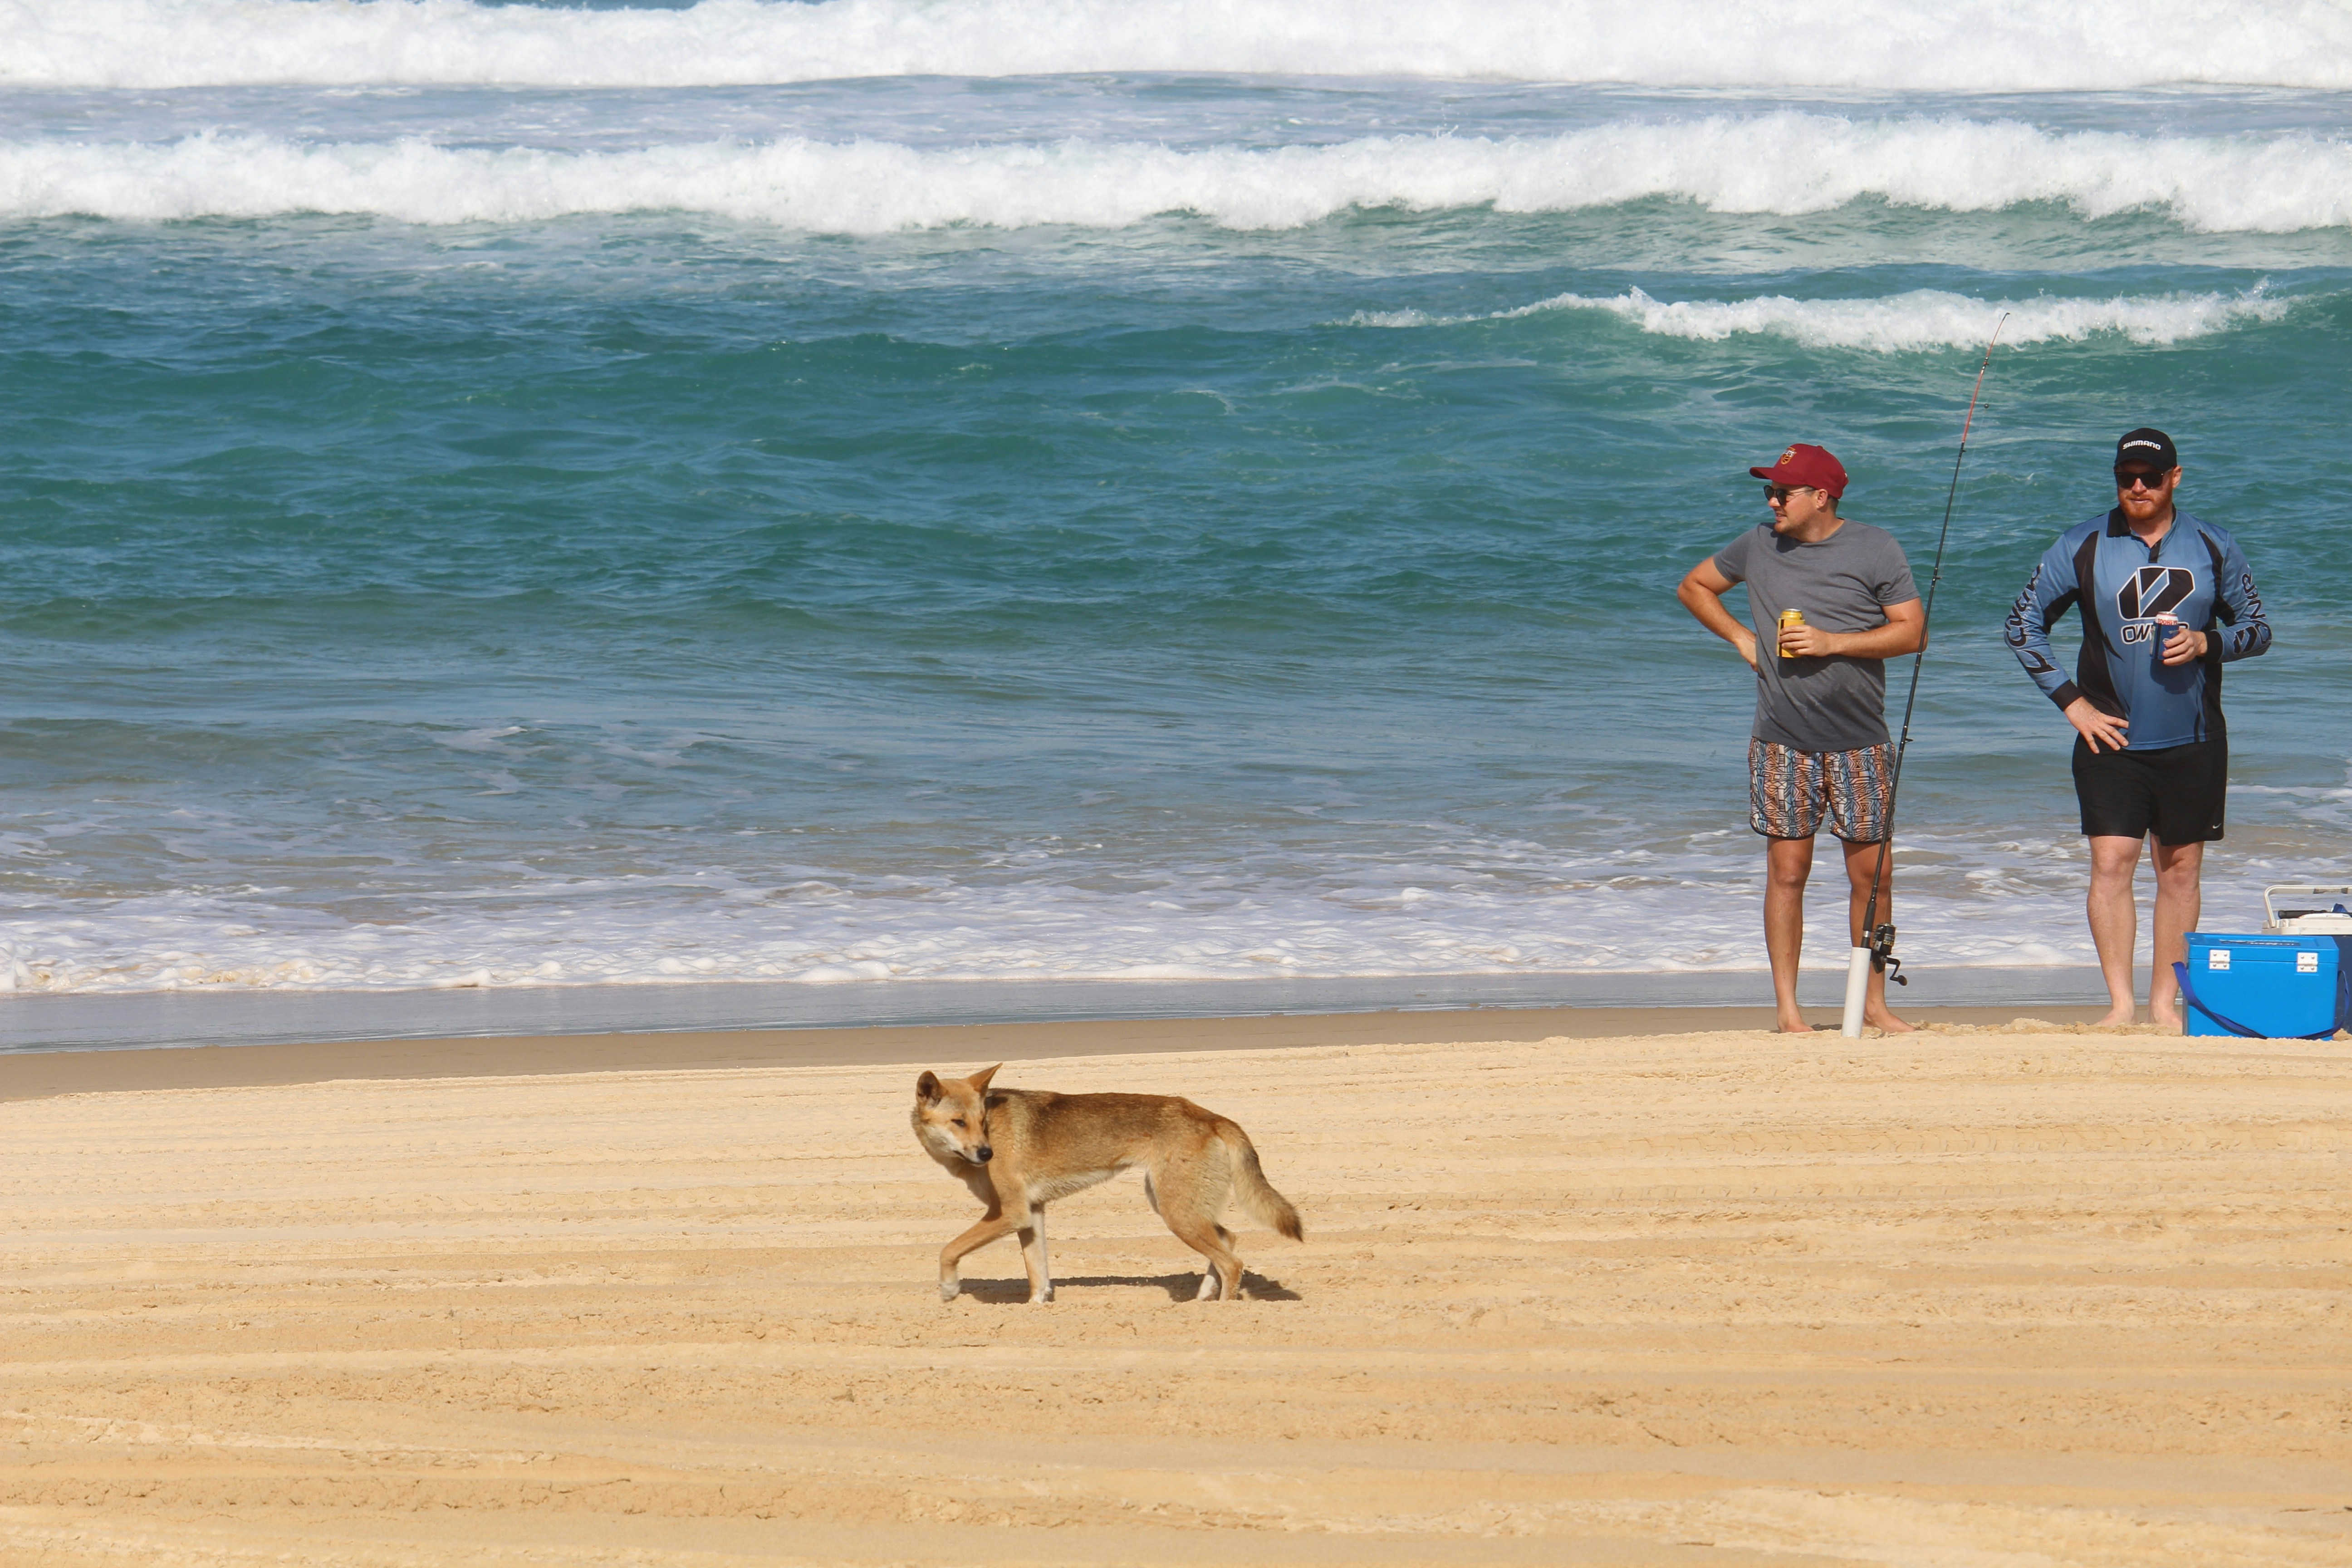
(2176, 793)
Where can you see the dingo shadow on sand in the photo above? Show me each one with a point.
(1255, 1287)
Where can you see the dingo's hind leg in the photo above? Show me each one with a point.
(1189, 1202)
(1214, 1243)
(1210, 1284)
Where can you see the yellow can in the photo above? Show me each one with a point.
(1790, 618)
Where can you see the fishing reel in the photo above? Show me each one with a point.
(1882, 954)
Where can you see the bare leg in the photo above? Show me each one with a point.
(992, 1226)
(1861, 860)
(2178, 901)
(1033, 1256)
(1786, 863)
(2114, 918)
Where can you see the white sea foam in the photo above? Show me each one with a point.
(1982, 45)
(265, 908)
(1673, 904)
(1778, 162)
(1922, 319)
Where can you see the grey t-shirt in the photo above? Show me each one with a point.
(1843, 585)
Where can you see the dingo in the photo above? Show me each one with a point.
(1020, 1148)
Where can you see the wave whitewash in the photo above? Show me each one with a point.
(1968, 44)
(1130, 524)
(1773, 163)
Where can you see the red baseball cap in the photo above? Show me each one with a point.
(1816, 466)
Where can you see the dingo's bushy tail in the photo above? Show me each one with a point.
(1257, 1195)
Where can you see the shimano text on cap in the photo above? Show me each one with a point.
(2152, 448)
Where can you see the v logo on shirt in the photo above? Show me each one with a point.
(2152, 590)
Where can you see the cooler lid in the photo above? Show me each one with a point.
(2284, 900)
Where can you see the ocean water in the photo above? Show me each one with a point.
(867, 490)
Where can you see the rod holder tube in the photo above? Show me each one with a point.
(1857, 991)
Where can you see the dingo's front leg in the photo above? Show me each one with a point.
(992, 1226)
(1033, 1258)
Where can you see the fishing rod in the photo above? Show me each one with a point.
(1877, 948)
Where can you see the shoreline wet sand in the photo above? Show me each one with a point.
(31, 1074)
(1711, 1297)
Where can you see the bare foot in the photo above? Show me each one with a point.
(2116, 1018)
(2165, 1019)
(1888, 1022)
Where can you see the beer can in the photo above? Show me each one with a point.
(1790, 618)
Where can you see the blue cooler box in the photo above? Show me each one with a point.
(2269, 987)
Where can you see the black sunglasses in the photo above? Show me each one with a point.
(2140, 477)
(1782, 492)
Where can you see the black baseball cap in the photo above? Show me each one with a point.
(2153, 448)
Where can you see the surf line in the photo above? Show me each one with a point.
(1877, 948)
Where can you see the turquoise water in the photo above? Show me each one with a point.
(1168, 523)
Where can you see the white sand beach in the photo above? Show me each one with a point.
(1975, 1297)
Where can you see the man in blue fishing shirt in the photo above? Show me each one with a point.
(2166, 600)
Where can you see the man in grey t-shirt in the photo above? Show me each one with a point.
(1819, 749)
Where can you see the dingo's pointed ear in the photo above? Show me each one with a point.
(979, 1080)
(927, 1087)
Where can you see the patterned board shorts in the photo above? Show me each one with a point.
(1789, 791)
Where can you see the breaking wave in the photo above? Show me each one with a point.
(1971, 45)
(1785, 162)
(1923, 318)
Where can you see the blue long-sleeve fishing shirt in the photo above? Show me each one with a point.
(2195, 571)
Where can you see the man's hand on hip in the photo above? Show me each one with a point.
(2097, 727)
(1702, 590)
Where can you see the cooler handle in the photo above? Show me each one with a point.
(2343, 1008)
